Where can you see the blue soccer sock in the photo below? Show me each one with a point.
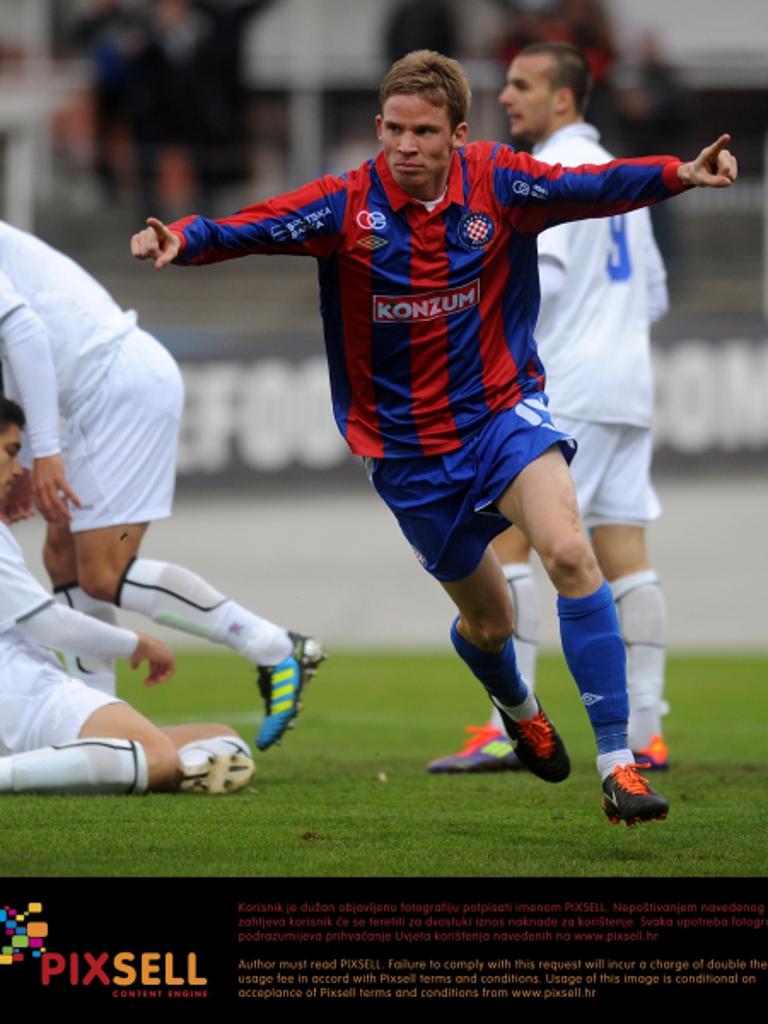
(498, 673)
(596, 656)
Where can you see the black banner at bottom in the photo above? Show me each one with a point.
(395, 941)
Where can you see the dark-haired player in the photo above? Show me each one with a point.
(69, 351)
(58, 735)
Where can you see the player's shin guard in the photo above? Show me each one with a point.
(498, 673)
(173, 596)
(643, 619)
(86, 766)
(95, 672)
(596, 656)
(522, 590)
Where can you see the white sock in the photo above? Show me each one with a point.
(95, 672)
(174, 596)
(519, 712)
(607, 762)
(522, 588)
(643, 619)
(496, 720)
(92, 765)
(198, 751)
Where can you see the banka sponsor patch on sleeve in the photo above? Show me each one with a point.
(389, 309)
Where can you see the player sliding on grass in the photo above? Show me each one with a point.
(67, 349)
(429, 295)
(58, 735)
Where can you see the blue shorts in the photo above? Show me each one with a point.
(445, 503)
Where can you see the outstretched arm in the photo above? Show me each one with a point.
(306, 222)
(714, 167)
(156, 242)
(538, 196)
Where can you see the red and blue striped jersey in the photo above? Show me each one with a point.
(429, 315)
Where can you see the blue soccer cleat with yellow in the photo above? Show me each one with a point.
(281, 687)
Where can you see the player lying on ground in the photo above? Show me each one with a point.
(68, 350)
(602, 284)
(429, 296)
(58, 735)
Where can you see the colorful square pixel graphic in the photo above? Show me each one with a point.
(23, 936)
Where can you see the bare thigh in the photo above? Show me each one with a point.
(541, 501)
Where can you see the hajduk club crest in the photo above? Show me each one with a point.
(475, 229)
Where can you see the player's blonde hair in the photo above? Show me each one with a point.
(440, 80)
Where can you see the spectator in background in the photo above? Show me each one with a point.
(584, 24)
(421, 25)
(111, 32)
(590, 30)
(223, 89)
(168, 104)
(169, 75)
(529, 22)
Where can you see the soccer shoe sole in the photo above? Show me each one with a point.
(220, 774)
(615, 819)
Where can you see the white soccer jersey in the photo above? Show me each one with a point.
(40, 704)
(594, 338)
(20, 593)
(84, 325)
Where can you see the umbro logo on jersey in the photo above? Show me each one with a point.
(475, 229)
(389, 309)
(372, 242)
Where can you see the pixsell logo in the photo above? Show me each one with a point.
(25, 938)
(122, 969)
(23, 934)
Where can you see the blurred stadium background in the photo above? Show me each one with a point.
(107, 107)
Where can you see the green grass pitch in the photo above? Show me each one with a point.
(347, 795)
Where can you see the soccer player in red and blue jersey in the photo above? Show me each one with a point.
(429, 296)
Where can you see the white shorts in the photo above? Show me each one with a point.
(40, 705)
(120, 445)
(612, 473)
